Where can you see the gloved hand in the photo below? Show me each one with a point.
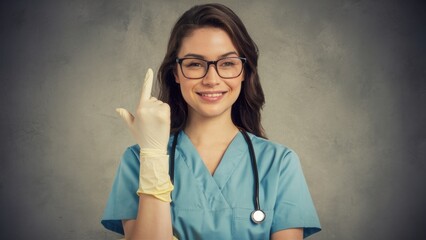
(151, 124)
(151, 128)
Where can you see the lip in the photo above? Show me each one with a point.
(211, 96)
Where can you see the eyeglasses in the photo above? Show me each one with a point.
(196, 68)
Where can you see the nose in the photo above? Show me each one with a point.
(212, 77)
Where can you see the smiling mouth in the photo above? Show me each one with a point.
(211, 95)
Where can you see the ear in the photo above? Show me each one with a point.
(177, 80)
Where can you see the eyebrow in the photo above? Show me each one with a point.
(203, 57)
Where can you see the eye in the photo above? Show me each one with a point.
(229, 62)
(193, 63)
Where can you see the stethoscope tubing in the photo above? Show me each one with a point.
(254, 168)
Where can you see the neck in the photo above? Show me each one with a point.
(210, 130)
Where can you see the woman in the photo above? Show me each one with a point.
(210, 97)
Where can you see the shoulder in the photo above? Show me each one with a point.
(270, 146)
(275, 153)
(132, 151)
(130, 157)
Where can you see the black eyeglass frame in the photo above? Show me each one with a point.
(180, 60)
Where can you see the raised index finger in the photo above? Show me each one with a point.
(147, 86)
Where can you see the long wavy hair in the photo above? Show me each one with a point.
(246, 111)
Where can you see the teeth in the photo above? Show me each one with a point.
(211, 94)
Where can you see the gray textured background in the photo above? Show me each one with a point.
(344, 83)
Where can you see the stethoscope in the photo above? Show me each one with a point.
(257, 216)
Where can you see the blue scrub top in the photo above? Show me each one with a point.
(219, 206)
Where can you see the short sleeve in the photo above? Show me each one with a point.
(123, 200)
(294, 207)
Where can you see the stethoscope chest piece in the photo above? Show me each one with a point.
(257, 216)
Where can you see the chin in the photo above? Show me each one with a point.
(213, 113)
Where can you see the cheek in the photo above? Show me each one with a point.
(240, 87)
(185, 89)
(236, 85)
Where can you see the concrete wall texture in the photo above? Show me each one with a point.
(344, 83)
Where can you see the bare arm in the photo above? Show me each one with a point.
(153, 220)
(288, 234)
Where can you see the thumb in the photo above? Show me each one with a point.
(126, 116)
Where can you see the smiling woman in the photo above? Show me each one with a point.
(208, 119)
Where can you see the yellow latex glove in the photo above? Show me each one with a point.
(154, 176)
(151, 128)
(151, 124)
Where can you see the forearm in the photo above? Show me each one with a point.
(153, 220)
(288, 234)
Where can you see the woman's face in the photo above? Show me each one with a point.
(211, 96)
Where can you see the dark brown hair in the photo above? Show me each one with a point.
(246, 110)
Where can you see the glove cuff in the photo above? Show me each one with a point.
(152, 152)
(154, 176)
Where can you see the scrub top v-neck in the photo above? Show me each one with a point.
(188, 160)
(218, 206)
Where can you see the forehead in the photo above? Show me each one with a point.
(209, 42)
